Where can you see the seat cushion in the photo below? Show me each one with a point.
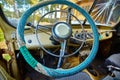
(116, 77)
(113, 60)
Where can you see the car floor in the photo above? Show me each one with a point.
(96, 71)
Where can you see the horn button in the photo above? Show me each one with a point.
(61, 30)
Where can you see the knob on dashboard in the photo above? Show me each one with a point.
(107, 34)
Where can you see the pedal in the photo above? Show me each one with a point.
(92, 71)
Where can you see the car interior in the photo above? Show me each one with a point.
(60, 40)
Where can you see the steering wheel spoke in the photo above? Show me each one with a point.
(43, 27)
(77, 41)
(62, 53)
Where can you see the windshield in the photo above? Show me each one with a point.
(106, 12)
(13, 9)
(103, 12)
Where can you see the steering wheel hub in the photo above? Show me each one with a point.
(61, 30)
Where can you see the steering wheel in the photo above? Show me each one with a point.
(62, 37)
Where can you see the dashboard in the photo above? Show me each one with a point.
(77, 33)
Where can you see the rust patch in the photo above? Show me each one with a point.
(3, 45)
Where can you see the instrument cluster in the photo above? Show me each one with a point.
(83, 35)
(88, 35)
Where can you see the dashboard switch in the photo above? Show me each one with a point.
(29, 41)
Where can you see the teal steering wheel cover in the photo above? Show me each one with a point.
(56, 73)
